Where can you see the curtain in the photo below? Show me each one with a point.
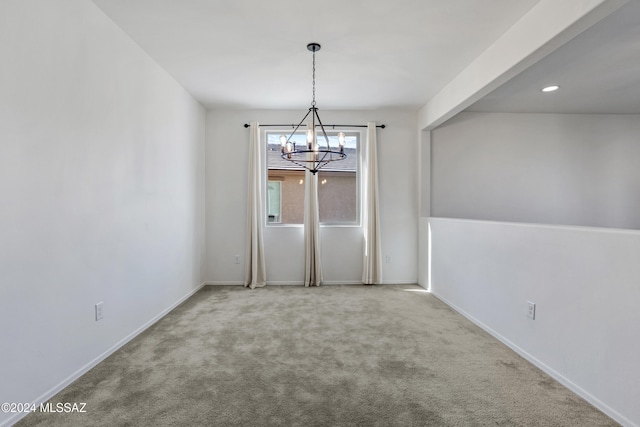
(255, 270)
(372, 260)
(312, 264)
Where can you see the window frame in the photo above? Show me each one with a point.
(358, 133)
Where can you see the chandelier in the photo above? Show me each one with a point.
(317, 152)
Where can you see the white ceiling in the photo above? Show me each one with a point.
(598, 72)
(375, 53)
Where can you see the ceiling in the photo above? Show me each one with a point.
(375, 53)
(598, 72)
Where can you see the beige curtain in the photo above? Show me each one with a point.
(372, 261)
(312, 263)
(255, 271)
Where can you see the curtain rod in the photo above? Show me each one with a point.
(327, 126)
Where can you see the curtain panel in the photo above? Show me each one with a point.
(372, 259)
(255, 269)
(312, 248)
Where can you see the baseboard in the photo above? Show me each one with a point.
(282, 283)
(391, 282)
(86, 368)
(224, 283)
(612, 413)
(342, 282)
(300, 283)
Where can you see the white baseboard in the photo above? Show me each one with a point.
(300, 283)
(223, 283)
(615, 415)
(278, 283)
(283, 283)
(342, 282)
(359, 282)
(415, 283)
(86, 368)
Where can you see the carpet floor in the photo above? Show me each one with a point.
(330, 356)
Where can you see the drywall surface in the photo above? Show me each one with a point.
(547, 26)
(584, 282)
(102, 193)
(538, 168)
(227, 160)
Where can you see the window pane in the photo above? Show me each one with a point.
(291, 183)
(338, 194)
(273, 201)
(338, 197)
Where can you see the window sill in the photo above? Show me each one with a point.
(358, 225)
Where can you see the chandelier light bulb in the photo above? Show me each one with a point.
(283, 140)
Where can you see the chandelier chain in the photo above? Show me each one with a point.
(313, 81)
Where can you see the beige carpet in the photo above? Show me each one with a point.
(327, 356)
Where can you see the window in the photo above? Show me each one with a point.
(338, 189)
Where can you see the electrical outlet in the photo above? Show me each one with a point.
(388, 259)
(236, 259)
(531, 310)
(99, 311)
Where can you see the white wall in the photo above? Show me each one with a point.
(544, 168)
(584, 282)
(424, 168)
(101, 192)
(341, 246)
(539, 168)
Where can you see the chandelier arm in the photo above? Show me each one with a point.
(299, 124)
(324, 133)
(327, 152)
(324, 156)
(320, 166)
(313, 170)
(317, 164)
(301, 165)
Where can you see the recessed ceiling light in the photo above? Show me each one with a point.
(550, 88)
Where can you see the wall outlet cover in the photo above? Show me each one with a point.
(99, 311)
(531, 310)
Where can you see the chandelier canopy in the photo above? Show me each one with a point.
(317, 152)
